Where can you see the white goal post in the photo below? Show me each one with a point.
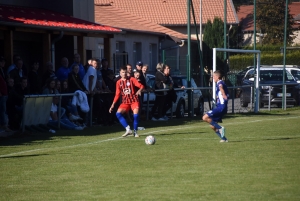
(257, 52)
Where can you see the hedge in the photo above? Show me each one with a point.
(240, 62)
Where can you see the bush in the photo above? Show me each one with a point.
(241, 61)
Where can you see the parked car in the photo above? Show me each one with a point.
(241, 74)
(293, 69)
(181, 104)
(270, 75)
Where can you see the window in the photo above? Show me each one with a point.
(101, 51)
(152, 56)
(137, 52)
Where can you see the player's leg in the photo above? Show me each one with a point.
(211, 117)
(120, 115)
(135, 110)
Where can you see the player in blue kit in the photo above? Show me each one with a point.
(215, 115)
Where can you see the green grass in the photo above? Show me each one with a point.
(260, 162)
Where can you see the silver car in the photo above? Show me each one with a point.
(180, 107)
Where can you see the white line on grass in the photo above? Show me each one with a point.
(117, 138)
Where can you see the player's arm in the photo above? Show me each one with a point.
(223, 91)
(116, 98)
(139, 85)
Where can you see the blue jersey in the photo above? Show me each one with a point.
(219, 97)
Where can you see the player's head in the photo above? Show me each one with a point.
(123, 71)
(217, 75)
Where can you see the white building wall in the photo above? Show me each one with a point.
(129, 38)
(296, 40)
(85, 10)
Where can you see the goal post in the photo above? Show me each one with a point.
(257, 52)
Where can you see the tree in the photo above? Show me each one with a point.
(213, 33)
(213, 38)
(270, 15)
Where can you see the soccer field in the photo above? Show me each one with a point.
(260, 162)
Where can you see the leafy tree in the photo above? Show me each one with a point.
(214, 38)
(213, 33)
(270, 15)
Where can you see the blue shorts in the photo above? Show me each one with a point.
(217, 113)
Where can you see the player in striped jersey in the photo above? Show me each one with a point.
(125, 88)
(215, 115)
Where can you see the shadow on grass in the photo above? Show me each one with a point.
(264, 139)
(23, 156)
(37, 136)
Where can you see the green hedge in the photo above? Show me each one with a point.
(240, 62)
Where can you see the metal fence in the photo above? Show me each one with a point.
(234, 103)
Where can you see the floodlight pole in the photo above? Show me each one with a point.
(225, 28)
(254, 45)
(284, 55)
(188, 72)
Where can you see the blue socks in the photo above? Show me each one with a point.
(135, 121)
(222, 138)
(124, 123)
(122, 120)
(214, 124)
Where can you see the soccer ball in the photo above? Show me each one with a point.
(150, 140)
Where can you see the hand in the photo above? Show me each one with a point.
(138, 93)
(111, 108)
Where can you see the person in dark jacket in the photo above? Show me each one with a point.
(161, 82)
(34, 80)
(74, 80)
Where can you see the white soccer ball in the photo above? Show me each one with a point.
(150, 140)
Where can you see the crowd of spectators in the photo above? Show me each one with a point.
(95, 79)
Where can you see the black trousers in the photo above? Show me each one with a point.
(159, 106)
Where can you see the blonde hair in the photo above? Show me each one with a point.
(159, 66)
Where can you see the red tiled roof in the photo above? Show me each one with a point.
(245, 15)
(110, 15)
(174, 12)
(13, 15)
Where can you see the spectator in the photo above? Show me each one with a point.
(10, 107)
(81, 67)
(17, 73)
(2, 70)
(75, 84)
(160, 83)
(171, 94)
(63, 72)
(50, 87)
(139, 66)
(90, 78)
(34, 79)
(64, 123)
(74, 81)
(106, 99)
(49, 73)
(106, 71)
(100, 84)
(15, 102)
(66, 103)
(89, 81)
(87, 65)
(3, 100)
(13, 66)
(129, 70)
(58, 86)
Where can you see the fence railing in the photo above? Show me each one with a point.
(234, 105)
